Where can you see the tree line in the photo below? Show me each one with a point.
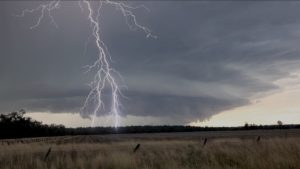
(16, 125)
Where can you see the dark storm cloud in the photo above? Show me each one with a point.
(208, 57)
(181, 109)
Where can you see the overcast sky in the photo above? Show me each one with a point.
(208, 57)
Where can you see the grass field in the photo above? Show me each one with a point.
(240, 150)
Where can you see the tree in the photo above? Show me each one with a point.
(15, 125)
(246, 125)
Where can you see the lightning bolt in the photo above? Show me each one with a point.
(105, 76)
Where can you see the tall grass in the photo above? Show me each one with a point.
(272, 153)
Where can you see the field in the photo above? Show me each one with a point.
(259, 149)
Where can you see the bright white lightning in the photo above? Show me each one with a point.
(105, 74)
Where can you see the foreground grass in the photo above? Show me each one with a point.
(275, 153)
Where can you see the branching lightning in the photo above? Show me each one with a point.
(105, 75)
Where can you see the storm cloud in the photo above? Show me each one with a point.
(208, 57)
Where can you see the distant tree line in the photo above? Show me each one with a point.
(16, 125)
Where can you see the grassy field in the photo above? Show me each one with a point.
(240, 150)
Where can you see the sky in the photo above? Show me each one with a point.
(215, 63)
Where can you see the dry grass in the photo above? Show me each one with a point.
(272, 153)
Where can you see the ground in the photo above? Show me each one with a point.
(257, 149)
